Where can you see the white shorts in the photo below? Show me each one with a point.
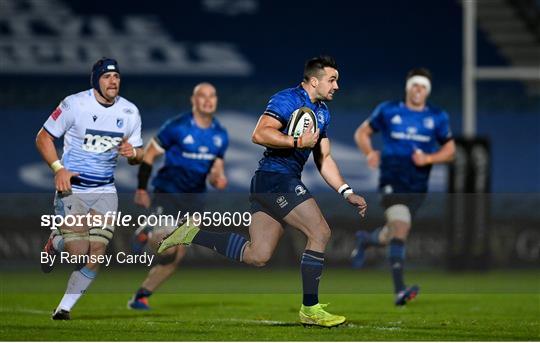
(82, 203)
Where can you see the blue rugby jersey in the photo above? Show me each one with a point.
(404, 131)
(190, 152)
(281, 106)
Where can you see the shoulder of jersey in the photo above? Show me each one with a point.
(435, 110)
(179, 120)
(218, 126)
(292, 93)
(391, 104)
(127, 106)
(77, 99)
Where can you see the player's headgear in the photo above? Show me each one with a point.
(315, 66)
(421, 76)
(102, 66)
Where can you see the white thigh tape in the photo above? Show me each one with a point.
(398, 212)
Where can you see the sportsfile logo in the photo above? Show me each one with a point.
(101, 141)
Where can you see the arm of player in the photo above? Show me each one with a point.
(362, 137)
(45, 146)
(331, 174)
(267, 134)
(152, 151)
(443, 155)
(217, 177)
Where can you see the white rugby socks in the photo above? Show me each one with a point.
(78, 283)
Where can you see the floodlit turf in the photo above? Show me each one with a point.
(251, 304)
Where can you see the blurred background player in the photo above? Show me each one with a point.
(194, 145)
(415, 136)
(279, 197)
(97, 125)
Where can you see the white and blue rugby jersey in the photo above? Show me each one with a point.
(92, 133)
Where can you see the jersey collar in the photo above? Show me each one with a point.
(404, 105)
(194, 124)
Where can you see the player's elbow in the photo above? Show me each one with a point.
(256, 137)
(451, 150)
(41, 139)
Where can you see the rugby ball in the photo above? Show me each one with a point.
(300, 120)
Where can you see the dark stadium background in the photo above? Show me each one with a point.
(261, 47)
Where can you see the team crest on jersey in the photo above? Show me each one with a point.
(188, 140)
(320, 116)
(299, 190)
(396, 119)
(217, 141)
(429, 123)
(119, 122)
(94, 117)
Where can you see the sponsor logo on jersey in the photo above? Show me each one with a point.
(56, 113)
(188, 140)
(64, 105)
(410, 136)
(127, 110)
(429, 123)
(98, 141)
(198, 156)
(299, 190)
(411, 130)
(281, 201)
(94, 117)
(396, 119)
(119, 122)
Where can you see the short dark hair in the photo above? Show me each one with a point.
(419, 71)
(315, 66)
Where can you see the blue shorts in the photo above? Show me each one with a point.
(412, 200)
(171, 203)
(276, 194)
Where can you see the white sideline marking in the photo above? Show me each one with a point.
(29, 310)
(253, 321)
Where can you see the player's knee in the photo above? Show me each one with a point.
(166, 259)
(260, 259)
(172, 259)
(400, 229)
(321, 233)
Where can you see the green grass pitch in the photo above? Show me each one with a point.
(262, 304)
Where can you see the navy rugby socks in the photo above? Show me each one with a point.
(311, 266)
(396, 255)
(228, 244)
